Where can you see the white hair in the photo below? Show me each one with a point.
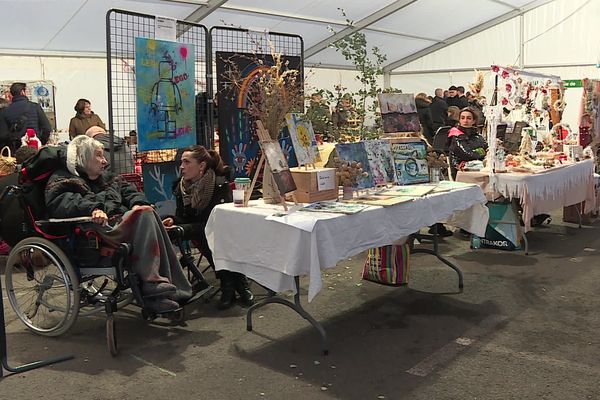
(80, 152)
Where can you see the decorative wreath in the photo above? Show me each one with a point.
(559, 105)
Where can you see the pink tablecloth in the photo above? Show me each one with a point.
(542, 192)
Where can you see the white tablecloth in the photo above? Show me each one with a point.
(272, 252)
(543, 192)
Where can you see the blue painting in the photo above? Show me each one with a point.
(158, 186)
(410, 160)
(166, 115)
(356, 152)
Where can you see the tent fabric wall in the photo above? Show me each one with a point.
(74, 78)
(572, 41)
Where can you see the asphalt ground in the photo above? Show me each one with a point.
(525, 327)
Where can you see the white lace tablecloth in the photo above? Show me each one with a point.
(273, 252)
(545, 191)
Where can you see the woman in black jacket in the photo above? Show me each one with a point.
(466, 142)
(121, 214)
(203, 184)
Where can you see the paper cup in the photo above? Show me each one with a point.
(238, 197)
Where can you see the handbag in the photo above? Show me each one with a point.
(8, 164)
(388, 265)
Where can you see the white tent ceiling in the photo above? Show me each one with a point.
(403, 29)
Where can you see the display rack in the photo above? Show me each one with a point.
(122, 27)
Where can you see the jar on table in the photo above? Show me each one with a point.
(242, 184)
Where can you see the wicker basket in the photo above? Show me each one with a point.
(8, 164)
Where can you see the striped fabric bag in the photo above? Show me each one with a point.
(388, 265)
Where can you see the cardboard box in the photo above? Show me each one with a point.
(315, 184)
(571, 214)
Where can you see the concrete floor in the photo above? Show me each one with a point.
(525, 327)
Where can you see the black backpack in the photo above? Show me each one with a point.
(34, 175)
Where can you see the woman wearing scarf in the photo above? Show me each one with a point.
(203, 184)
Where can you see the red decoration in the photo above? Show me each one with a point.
(504, 101)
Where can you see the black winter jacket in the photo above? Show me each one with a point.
(464, 147)
(194, 221)
(34, 118)
(439, 113)
(69, 196)
(424, 111)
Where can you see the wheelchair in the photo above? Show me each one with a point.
(59, 270)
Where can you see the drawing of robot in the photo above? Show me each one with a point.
(166, 99)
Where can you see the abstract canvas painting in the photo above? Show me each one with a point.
(399, 112)
(381, 162)
(166, 107)
(410, 160)
(356, 152)
(303, 138)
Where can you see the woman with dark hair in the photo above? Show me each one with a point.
(466, 142)
(84, 119)
(204, 183)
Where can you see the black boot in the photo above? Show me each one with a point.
(227, 290)
(242, 288)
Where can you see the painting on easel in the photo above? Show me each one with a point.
(303, 138)
(279, 166)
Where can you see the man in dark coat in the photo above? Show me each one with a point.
(20, 115)
(461, 99)
(439, 110)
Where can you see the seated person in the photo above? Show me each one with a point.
(122, 214)
(466, 144)
(123, 158)
(203, 185)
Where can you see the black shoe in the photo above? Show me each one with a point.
(158, 289)
(160, 305)
(464, 234)
(227, 299)
(539, 219)
(243, 289)
(441, 230)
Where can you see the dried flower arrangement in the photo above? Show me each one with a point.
(276, 91)
(348, 172)
(436, 159)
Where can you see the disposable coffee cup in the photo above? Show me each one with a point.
(238, 198)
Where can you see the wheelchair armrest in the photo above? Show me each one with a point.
(52, 221)
(176, 233)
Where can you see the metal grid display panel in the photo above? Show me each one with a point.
(122, 27)
(243, 41)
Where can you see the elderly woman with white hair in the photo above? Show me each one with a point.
(122, 156)
(122, 214)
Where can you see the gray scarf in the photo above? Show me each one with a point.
(198, 193)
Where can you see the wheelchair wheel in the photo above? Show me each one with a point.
(42, 286)
(111, 335)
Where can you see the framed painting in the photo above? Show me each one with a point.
(356, 152)
(165, 98)
(303, 139)
(381, 162)
(410, 160)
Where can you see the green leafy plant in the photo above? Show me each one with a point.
(354, 49)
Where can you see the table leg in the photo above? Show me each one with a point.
(435, 252)
(296, 306)
(4, 351)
